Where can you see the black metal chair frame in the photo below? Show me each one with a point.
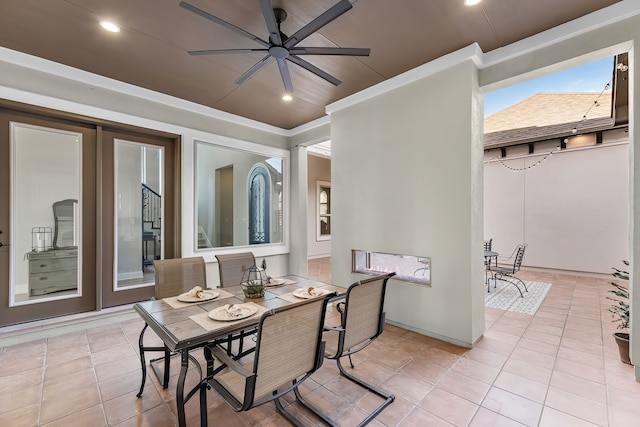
(506, 274)
(342, 351)
(250, 376)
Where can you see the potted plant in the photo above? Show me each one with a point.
(253, 289)
(620, 312)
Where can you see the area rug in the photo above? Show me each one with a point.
(505, 296)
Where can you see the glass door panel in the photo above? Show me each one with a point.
(138, 203)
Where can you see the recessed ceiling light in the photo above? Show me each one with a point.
(471, 2)
(287, 97)
(110, 26)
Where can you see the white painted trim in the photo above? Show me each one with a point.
(471, 52)
(321, 121)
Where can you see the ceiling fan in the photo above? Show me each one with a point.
(280, 47)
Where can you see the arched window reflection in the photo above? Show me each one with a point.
(259, 190)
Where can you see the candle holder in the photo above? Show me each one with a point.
(41, 239)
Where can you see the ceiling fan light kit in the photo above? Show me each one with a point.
(280, 47)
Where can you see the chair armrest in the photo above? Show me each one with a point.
(222, 356)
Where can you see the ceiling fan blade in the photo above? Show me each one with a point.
(315, 70)
(350, 51)
(286, 77)
(272, 23)
(257, 67)
(329, 15)
(224, 23)
(216, 51)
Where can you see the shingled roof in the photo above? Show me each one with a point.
(547, 116)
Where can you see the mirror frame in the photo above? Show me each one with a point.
(249, 148)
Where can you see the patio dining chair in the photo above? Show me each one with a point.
(362, 321)
(172, 277)
(289, 348)
(507, 273)
(232, 268)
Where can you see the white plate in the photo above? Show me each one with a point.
(223, 315)
(275, 282)
(316, 292)
(206, 295)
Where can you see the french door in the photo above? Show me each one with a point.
(85, 209)
(47, 217)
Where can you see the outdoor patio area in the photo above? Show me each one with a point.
(559, 367)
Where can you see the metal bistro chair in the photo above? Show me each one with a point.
(362, 321)
(172, 277)
(231, 268)
(487, 247)
(506, 273)
(289, 348)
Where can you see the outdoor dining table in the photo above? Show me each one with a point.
(488, 256)
(184, 327)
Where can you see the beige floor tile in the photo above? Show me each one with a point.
(485, 418)
(449, 407)
(577, 406)
(476, 370)
(93, 416)
(554, 418)
(521, 386)
(420, 417)
(463, 386)
(513, 406)
(579, 386)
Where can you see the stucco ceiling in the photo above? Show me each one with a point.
(151, 51)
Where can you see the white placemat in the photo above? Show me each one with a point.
(209, 324)
(173, 301)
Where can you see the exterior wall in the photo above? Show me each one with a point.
(605, 38)
(572, 210)
(319, 170)
(404, 175)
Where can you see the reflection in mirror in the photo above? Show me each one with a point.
(45, 176)
(239, 197)
(138, 205)
(65, 214)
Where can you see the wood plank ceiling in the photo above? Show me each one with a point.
(151, 50)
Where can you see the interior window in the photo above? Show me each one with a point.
(323, 190)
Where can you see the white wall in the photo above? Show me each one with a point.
(404, 176)
(319, 169)
(596, 36)
(572, 210)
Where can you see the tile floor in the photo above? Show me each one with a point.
(557, 368)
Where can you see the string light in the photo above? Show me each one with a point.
(595, 103)
(526, 168)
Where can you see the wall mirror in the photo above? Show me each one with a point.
(45, 214)
(240, 195)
